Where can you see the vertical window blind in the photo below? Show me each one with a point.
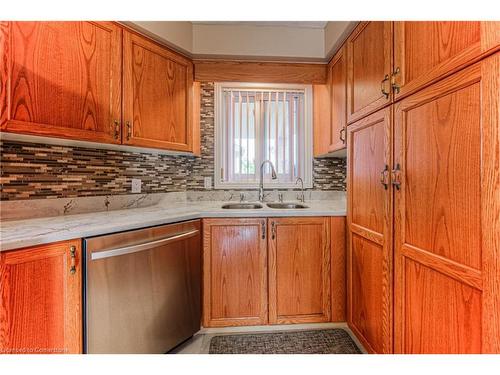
(261, 124)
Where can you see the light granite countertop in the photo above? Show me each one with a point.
(29, 232)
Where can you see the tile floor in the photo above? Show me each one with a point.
(200, 342)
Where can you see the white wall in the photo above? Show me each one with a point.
(249, 41)
(335, 33)
(258, 41)
(177, 33)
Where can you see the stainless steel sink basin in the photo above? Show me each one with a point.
(242, 206)
(286, 205)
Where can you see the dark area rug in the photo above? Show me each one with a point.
(328, 341)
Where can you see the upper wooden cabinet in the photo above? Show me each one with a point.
(299, 270)
(61, 79)
(427, 51)
(329, 107)
(234, 272)
(157, 96)
(337, 82)
(64, 80)
(40, 299)
(369, 64)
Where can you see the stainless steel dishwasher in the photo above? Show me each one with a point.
(142, 289)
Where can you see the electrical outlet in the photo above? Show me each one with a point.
(208, 182)
(136, 185)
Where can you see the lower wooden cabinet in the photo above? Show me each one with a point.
(299, 270)
(273, 271)
(40, 299)
(234, 272)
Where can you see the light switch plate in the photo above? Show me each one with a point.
(208, 182)
(136, 185)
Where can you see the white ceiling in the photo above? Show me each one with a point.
(305, 24)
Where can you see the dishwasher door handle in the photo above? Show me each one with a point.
(143, 246)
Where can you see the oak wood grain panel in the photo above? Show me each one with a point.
(299, 270)
(369, 257)
(369, 61)
(62, 79)
(321, 119)
(443, 314)
(234, 272)
(266, 72)
(490, 202)
(157, 96)
(442, 169)
(450, 268)
(449, 47)
(366, 308)
(40, 310)
(337, 82)
(338, 268)
(369, 157)
(459, 179)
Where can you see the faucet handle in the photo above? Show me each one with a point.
(280, 197)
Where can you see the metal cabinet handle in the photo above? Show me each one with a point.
(382, 86)
(263, 229)
(384, 177)
(72, 254)
(129, 130)
(395, 87)
(117, 128)
(273, 230)
(342, 132)
(396, 177)
(143, 246)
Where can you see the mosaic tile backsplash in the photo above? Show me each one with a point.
(33, 171)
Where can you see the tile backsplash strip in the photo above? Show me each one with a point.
(34, 171)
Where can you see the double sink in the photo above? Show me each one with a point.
(253, 206)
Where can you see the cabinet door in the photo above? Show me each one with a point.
(157, 96)
(61, 79)
(448, 46)
(368, 68)
(447, 210)
(338, 99)
(299, 270)
(40, 291)
(369, 260)
(321, 120)
(234, 272)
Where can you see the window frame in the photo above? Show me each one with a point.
(219, 132)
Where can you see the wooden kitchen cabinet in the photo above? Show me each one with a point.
(41, 303)
(369, 260)
(337, 75)
(61, 79)
(447, 209)
(330, 104)
(427, 51)
(299, 270)
(157, 95)
(234, 272)
(369, 64)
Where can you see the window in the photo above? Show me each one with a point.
(257, 122)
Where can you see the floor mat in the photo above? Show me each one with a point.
(328, 341)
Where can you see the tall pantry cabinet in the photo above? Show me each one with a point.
(424, 188)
